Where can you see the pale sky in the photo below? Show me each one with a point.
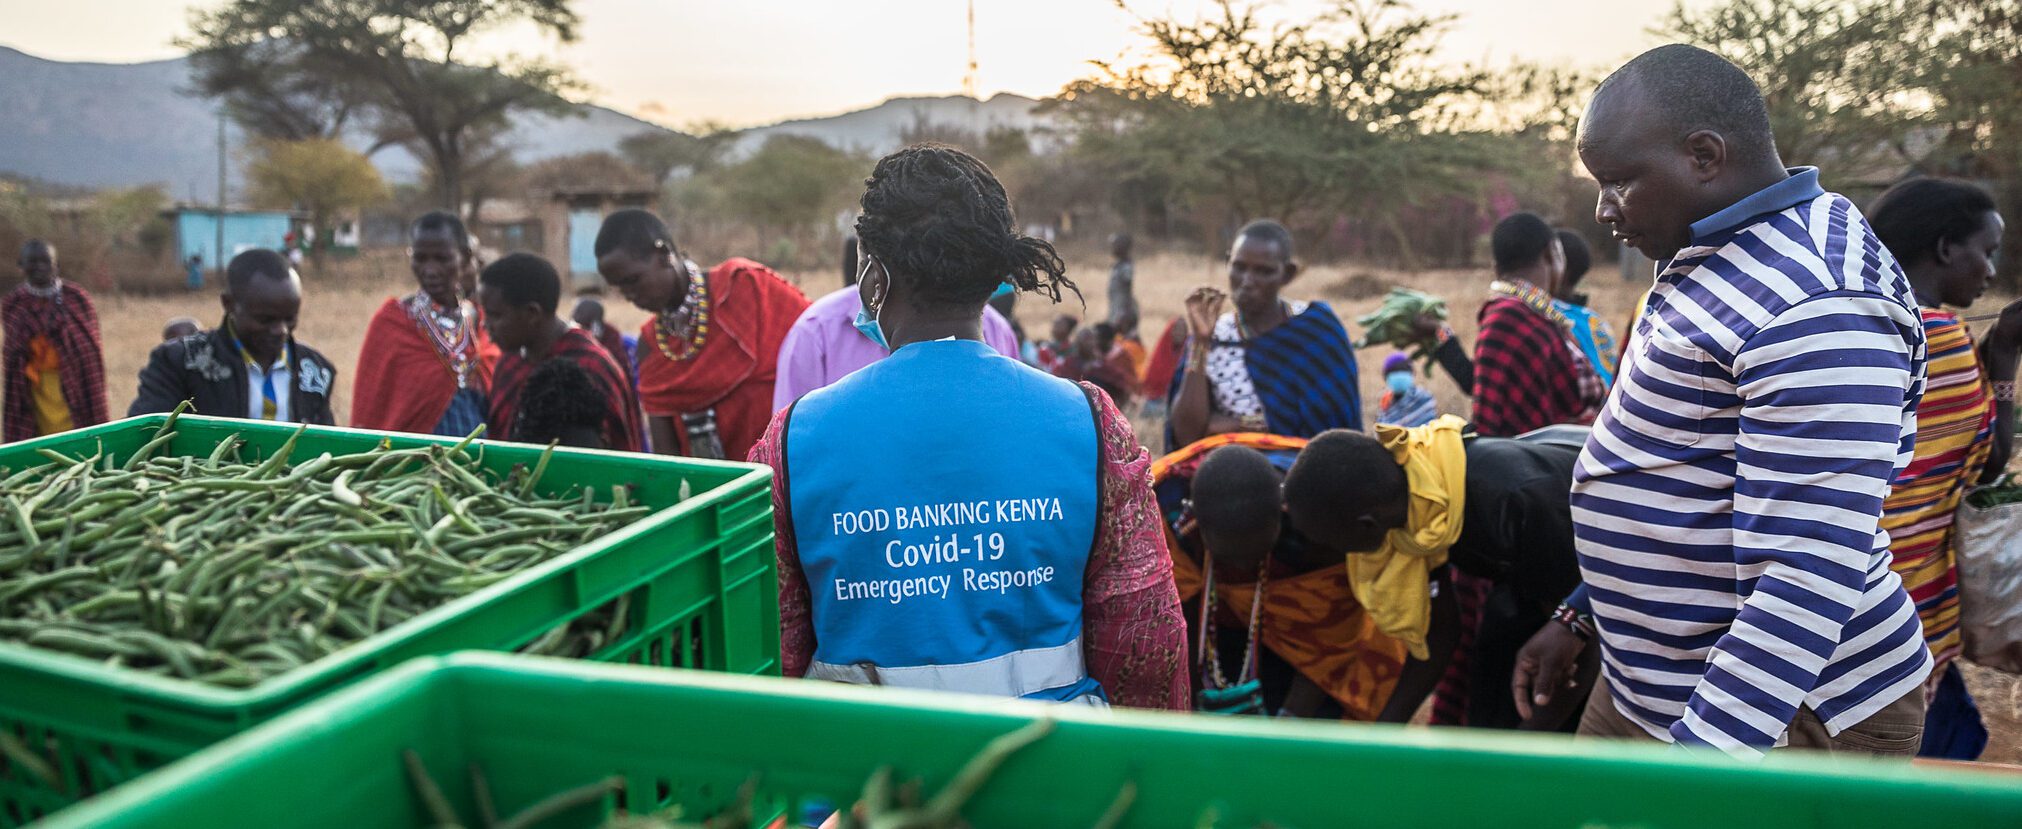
(749, 62)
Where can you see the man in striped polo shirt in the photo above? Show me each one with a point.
(1726, 506)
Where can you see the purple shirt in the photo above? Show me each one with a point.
(824, 345)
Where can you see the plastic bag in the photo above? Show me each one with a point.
(1988, 541)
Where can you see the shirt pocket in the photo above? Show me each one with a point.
(1666, 401)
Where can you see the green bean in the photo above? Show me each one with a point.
(340, 489)
(540, 468)
(161, 439)
(228, 446)
(946, 806)
(431, 795)
(206, 567)
(82, 644)
(273, 464)
(561, 802)
(20, 756)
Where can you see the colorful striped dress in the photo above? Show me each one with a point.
(1955, 433)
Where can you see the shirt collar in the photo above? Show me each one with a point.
(1800, 187)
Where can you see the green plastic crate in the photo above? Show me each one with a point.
(701, 575)
(692, 739)
(537, 726)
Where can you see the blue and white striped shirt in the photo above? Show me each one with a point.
(1727, 503)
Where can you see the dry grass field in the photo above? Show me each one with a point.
(339, 303)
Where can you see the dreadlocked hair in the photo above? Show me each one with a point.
(937, 218)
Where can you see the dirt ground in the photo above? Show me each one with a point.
(341, 299)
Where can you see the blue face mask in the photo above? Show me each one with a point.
(1400, 382)
(868, 326)
(866, 322)
(1003, 288)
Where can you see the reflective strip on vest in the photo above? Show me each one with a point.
(1018, 673)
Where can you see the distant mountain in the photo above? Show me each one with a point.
(880, 129)
(125, 125)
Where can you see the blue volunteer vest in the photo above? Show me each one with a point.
(944, 504)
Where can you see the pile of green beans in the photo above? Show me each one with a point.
(227, 572)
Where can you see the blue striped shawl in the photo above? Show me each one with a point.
(1305, 374)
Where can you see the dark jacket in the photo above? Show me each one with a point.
(206, 369)
(1517, 525)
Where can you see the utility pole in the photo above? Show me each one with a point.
(969, 82)
(218, 252)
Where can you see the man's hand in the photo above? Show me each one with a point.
(1545, 666)
(1204, 306)
(1425, 328)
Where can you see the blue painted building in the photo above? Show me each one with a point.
(571, 220)
(196, 233)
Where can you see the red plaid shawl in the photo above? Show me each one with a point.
(71, 323)
(1525, 373)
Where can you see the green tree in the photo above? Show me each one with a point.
(319, 176)
(791, 185)
(273, 87)
(396, 63)
(1296, 120)
(1973, 74)
(1839, 76)
(660, 153)
(583, 171)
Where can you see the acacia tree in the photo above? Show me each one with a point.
(395, 62)
(1293, 120)
(319, 176)
(789, 186)
(659, 153)
(272, 87)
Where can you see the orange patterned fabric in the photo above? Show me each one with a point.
(1311, 620)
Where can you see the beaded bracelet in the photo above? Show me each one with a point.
(1579, 623)
(2004, 391)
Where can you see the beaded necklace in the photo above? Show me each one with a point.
(54, 291)
(1533, 298)
(1212, 670)
(454, 334)
(698, 322)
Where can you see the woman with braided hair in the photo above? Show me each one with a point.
(949, 518)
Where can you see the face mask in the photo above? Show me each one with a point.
(1003, 288)
(1400, 382)
(868, 326)
(866, 321)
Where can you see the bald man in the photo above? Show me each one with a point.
(250, 366)
(1727, 504)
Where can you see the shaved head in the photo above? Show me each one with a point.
(1698, 90)
(1672, 137)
